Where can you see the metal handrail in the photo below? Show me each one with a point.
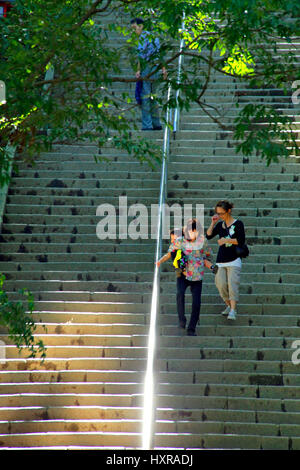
(148, 418)
(180, 60)
(149, 385)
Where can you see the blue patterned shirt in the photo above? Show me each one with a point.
(147, 46)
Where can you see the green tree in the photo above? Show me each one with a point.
(240, 39)
(77, 103)
(17, 318)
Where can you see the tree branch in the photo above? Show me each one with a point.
(92, 11)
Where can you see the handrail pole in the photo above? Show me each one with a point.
(149, 408)
(180, 60)
(149, 385)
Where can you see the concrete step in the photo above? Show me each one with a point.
(260, 240)
(267, 216)
(273, 338)
(90, 181)
(210, 325)
(215, 326)
(239, 378)
(88, 198)
(114, 302)
(147, 259)
(231, 177)
(263, 186)
(75, 201)
(232, 403)
(246, 354)
(231, 391)
(89, 271)
(112, 277)
(278, 176)
(88, 206)
(237, 167)
(87, 275)
(124, 286)
(97, 340)
(69, 425)
(92, 388)
(247, 296)
(199, 427)
(88, 363)
(56, 413)
(64, 440)
(229, 415)
(84, 351)
(77, 231)
(228, 428)
(166, 354)
(50, 162)
(259, 186)
(141, 294)
(92, 174)
(221, 441)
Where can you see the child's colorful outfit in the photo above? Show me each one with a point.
(195, 253)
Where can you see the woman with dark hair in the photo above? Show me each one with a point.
(196, 249)
(231, 234)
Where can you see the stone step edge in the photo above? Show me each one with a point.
(157, 421)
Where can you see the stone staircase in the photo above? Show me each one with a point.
(92, 295)
(232, 386)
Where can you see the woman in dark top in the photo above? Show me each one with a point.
(231, 233)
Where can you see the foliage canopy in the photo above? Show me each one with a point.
(238, 38)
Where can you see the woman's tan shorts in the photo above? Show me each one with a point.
(228, 281)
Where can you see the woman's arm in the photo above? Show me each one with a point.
(239, 233)
(209, 231)
(212, 230)
(231, 241)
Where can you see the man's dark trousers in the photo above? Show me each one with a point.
(196, 289)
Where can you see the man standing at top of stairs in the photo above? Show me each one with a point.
(147, 53)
